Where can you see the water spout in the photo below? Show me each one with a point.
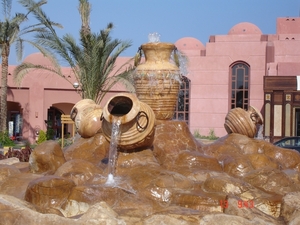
(113, 149)
(154, 37)
(260, 134)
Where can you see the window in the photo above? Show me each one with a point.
(240, 86)
(183, 103)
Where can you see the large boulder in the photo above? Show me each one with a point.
(46, 158)
(93, 150)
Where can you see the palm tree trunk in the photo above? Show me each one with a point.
(3, 101)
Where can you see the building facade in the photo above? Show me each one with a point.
(242, 68)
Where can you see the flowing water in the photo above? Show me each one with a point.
(113, 149)
(154, 37)
(260, 135)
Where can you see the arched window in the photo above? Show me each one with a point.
(183, 103)
(239, 85)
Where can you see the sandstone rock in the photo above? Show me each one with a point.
(271, 180)
(260, 160)
(236, 165)
(287, 158)
(92, 149)
(125, 204)
(228, 185)
(134, 206)
(22, 166)
(172, 137)
(290, 209)
(49, 191)
(6, 171)
(78, 170)
(91, 194)
(216, 219)
(232, 144)
(175, 215)
(170, 220)
(100, 213)
(199, 176)
(293, 175)
(141, 158)
(9, 161)
(46, 158)
(178, 181)
(247, 209)
(195, 161)
(266, 202)
(16, 184)
(199, 200)
(18, 212)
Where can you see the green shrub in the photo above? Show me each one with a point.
(5, 140)
(42, 137)
(197, 134)
(50, 134)
(212, 135)
(67, 142)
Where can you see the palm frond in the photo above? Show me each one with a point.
(24, 68)
(6, 6)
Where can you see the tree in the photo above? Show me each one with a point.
(12, 32)
(92, 60)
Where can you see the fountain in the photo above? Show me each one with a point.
(157, 81)
(141, 167)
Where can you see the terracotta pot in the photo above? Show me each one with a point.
(86, 114)
(137, 121)
(157, 81)
(243, 122)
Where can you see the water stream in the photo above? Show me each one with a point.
(113, 150)
(260, 135)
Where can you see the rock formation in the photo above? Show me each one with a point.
(178, 180)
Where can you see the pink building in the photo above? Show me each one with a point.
(242, 68)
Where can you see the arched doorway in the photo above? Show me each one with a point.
(15, 120)
(53, 123)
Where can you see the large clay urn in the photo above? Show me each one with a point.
(86, 114)
(157, 80)
(243, 121)
(137, 122)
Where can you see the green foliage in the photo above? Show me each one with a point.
(50, 134)
(12, 30)
(42, 137)
(5, 140)
(211, 135)
(67, 142)
(197, 134)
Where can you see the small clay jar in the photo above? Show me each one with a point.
(86, 114)
(136, 119)
(243, 122)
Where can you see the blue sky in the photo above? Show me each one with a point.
(172, 19)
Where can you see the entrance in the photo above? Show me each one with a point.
(54, 123)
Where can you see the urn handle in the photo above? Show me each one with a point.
(139, 115)
(138, 57)
(254, 117)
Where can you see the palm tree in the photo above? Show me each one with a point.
(92, 60)
(11, 32)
